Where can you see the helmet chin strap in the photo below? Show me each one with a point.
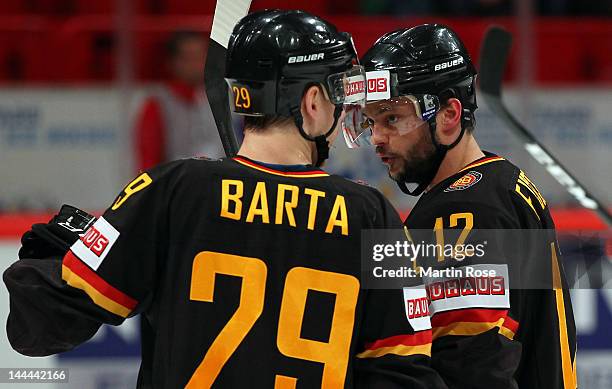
(437, 159)
(320, 141)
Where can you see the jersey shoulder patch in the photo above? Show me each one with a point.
(469, 179)
(484, 175)
(483, 180)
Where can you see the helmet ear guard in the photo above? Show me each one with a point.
(465, 93)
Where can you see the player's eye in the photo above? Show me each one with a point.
(392, 119)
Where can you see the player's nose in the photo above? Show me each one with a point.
(379, 135)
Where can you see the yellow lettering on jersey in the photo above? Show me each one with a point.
(333, 354)
(439, 231)
(231, 195)
(287, 206)
(338, 216)
(524, 180)
(527, 200)
(284, 382)
(259, 204)
(415, 266)
(314, 201)
(288, 199)
(138, 184)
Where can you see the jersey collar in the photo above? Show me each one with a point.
(297, 171)
(488, 158)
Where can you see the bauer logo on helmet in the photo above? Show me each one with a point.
(306, 58)
(448, 64)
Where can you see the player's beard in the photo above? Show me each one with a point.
(419, 163)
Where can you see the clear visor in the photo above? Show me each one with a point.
(353, 130)
(349, 89)
(396, 116)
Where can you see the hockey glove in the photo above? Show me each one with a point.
(55, 237)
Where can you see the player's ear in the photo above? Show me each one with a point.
(448, 121)
(311, 107)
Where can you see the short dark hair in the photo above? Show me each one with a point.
(258, 123)
(178, 37)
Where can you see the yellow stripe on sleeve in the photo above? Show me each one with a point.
(569, 373)
(77, 282)
(403, 350)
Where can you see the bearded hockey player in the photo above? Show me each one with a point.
(245, 270)
(420, 111)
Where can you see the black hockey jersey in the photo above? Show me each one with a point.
(246, 276)
(522, 336)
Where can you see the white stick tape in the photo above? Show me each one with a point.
(227, 15)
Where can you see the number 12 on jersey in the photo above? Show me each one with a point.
(334, 354)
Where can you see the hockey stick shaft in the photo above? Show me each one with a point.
(550, 163)
(494, 54)
(216, 91)
(227, 14)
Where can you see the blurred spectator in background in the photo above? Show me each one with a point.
(175, 121)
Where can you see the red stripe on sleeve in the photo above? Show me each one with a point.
(98, 283)
(511, 324)
(478, 315)
(416, 339)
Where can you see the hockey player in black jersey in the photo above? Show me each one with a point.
(245, 270)
(420, 112)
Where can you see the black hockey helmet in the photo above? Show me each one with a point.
(422, 64)
(426, 59)
(275, 55)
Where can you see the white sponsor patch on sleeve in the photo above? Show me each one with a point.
(417, 308)
(379, 87)
(482, 286)
(95, 244)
